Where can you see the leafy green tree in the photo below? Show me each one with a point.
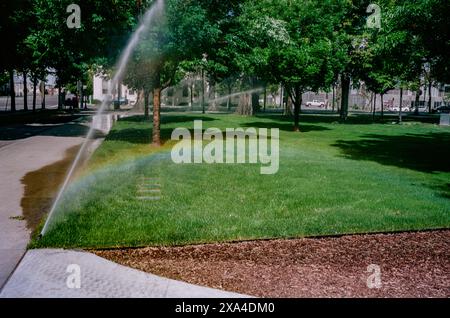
(14, 16)
(350, 55)
(140, 75)
(182, 33)
(104, 27)
(413, 34)
(294, 46)
(418, 40)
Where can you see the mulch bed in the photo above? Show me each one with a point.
(415, 264)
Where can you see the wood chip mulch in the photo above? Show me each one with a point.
(414, 264)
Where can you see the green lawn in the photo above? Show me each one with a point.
(333, 179)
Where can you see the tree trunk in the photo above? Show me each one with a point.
(425, 93)
(119, 96)
(146, 99)
(416, 102)
(255, 95)
(60, 96)
(400, 106)
(212, 97)
(382, 106)
(140, 101)
(334, 97)
(203, 91)
(265, 97)
(345, 93)
(34, 92)
(81, 96)
(156, 132)
(288, 106)
(255, 102)
(191, 96)
(25, 92)
(229, 97)
(429, 96)
(297, 105)
(281, 96)
(12, 92)
(374, 106)
(244, 106)
(43, 95)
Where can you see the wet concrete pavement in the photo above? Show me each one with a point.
(16, 160)
(36, 157)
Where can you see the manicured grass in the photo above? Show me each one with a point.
(333, 179)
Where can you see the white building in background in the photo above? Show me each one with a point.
(101, 87)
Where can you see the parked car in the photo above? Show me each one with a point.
(71, 101)
(423, 109)
(122, 101)
(443, 109)
(315, 103)
(397, 109)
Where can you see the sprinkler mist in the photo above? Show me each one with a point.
(120, 70)
(224, 98)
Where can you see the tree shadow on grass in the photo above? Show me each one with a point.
(353, 119)
(284, 126)
(132, 135)
(310, 118)
(143, 135)
(445, 190)
(24, 131)
(442, 189)
(425, 153)
(318, 118)
(171, 119)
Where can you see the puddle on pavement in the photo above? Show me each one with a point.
(41, 187)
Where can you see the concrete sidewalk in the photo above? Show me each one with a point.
(28, 148)
(17, 158)
(45, 273)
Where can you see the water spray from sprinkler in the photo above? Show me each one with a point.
(120, 70)
(222, 98)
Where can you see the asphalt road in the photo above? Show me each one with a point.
(50, 102)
